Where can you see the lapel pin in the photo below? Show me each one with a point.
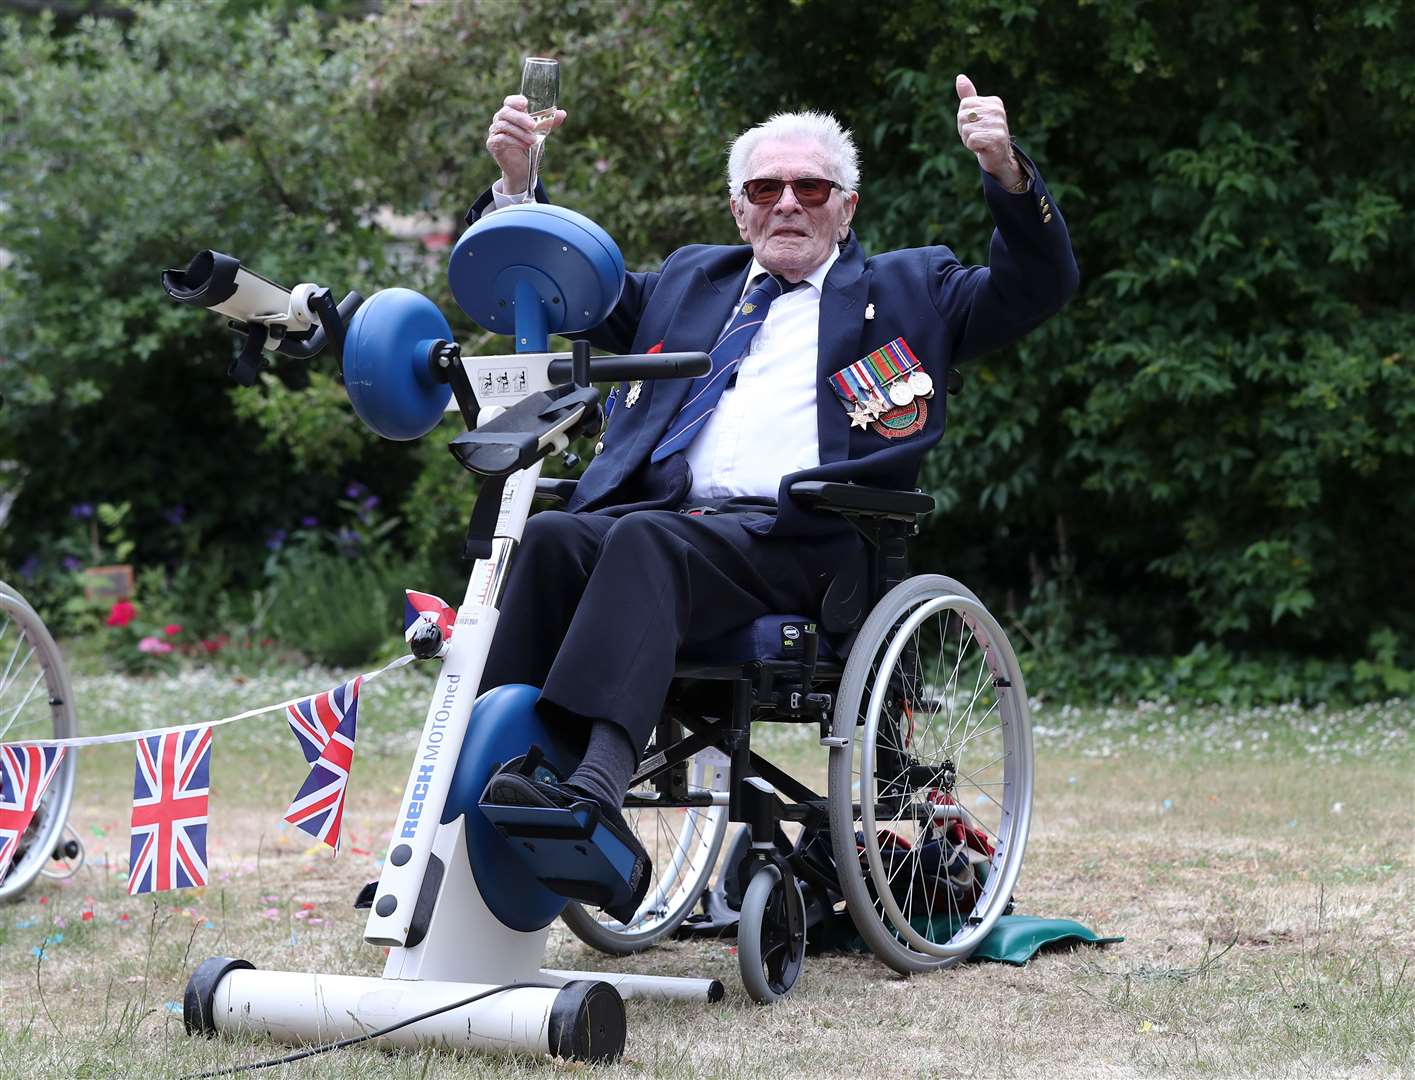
(869, 311)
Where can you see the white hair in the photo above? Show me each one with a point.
(818, 127)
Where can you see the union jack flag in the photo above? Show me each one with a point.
(170, 787)
(421, 605)
(25, 772)
(318, 808)
(315, 719)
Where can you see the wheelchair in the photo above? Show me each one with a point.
(919, 700)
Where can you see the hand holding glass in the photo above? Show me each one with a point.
(540, 84)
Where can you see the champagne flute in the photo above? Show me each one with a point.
(540, 84)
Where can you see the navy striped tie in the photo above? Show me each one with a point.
(706, 390)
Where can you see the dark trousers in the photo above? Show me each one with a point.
(597, 607)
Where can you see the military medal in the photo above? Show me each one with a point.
(891, 368)
(884, 391)
(854, 397)
(632, 397)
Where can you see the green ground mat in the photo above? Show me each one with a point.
(1017, 938)
(1014, 940)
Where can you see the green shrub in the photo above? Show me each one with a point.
(1219, 432)
(336, 595)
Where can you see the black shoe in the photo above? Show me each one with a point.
(513, 787)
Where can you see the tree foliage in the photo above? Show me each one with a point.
(1215, 441)
(124, 150)
(1212, 446)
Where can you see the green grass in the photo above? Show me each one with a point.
(1263, 883)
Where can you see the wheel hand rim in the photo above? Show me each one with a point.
(998, 886)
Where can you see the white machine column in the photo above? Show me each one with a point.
(440, 745)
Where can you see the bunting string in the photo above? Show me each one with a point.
(134, 736)
(171, 782)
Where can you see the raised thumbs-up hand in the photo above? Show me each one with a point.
(982, 125)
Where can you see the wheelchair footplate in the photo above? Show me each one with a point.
(570, 850)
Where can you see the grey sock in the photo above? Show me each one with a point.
(608, 764)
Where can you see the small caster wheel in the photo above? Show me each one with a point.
(771, 936)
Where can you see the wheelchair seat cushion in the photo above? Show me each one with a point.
(772, 637)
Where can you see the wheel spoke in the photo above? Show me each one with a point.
(15, 711)
(943, 729)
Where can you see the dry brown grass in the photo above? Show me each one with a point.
(1266, 936)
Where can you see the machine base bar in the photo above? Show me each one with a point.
(646, 986)
(580, 1020)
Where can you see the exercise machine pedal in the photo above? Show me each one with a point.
(569, 849)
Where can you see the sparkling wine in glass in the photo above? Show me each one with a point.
(540, 85)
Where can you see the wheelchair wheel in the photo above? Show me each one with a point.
(36, 702)
(769, 955)
(683, 844)
(931, 795)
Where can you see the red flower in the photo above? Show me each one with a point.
(122, 613)
(171, 629)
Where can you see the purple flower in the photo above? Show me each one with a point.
(348, 541)
(355, 490)
(81, 511)
(275, 539)
(175, 515)
(29, 567)
(71, 563)
(369, 504)
(309, 521)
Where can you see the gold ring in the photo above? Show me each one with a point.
(972, 117)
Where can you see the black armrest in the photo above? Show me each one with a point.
(858, 499)
(555, 490)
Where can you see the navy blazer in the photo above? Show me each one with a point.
(947, 312)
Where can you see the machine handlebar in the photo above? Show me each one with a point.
(634, 366)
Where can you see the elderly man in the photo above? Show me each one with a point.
(824, 368)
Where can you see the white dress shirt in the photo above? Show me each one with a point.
(764, 426)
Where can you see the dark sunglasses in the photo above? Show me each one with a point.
(810, 190)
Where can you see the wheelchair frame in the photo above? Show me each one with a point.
(796, 691)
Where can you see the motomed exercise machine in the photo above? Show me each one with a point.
(459, 913)
(920, 839)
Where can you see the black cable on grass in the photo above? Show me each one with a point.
(342, 1043)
